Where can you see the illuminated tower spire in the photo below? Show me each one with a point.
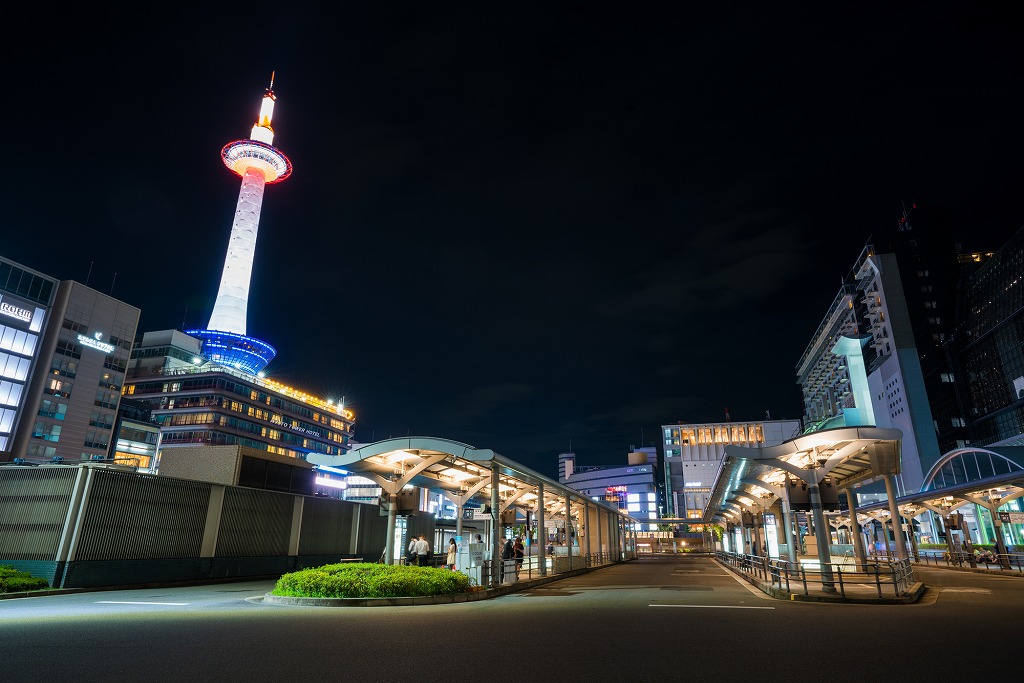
(259, 163)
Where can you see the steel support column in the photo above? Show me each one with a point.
(823, 538)
(858, 539)
(894, 515)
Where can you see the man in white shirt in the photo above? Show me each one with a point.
(422, 550)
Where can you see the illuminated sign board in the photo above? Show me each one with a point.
(95, 343)
(18, 312)
(691, 484)
(331, 483)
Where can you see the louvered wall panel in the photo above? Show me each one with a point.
(254, 523)
(33, 506)
(373, 532)
(327, 526)
(132, 516)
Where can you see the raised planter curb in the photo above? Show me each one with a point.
(472, 596)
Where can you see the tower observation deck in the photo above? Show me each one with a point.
(259, 164)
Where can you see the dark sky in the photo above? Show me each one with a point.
(513, 225)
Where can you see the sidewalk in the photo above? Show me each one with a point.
(849, 588)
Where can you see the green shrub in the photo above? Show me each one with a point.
(14, 581)
(369, 580)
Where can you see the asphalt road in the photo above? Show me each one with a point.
(659, 619)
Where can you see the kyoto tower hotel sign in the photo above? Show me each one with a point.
(259, 164)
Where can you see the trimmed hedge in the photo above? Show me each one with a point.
(370, 580)
(14, 581)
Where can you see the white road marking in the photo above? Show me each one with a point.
(983, 591)
(714, 606)
(119, 602)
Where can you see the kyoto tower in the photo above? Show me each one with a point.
(259, 164)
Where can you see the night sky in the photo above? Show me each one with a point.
(521, 226)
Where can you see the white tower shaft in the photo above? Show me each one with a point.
(233, 295)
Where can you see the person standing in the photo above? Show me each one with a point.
(507, 553)
(422, 550)
(518, 553)
(453, 549)
(410, 552)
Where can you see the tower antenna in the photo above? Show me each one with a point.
(271, 88)
(259, 164)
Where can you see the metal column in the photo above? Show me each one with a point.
(858, 539)
(822, 536)
(568, 529)
(495, 548)
(389, 546)
(894, 514)
(542, 532)
(586, 529)
(792, 543)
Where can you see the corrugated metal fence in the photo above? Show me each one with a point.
(88, 526)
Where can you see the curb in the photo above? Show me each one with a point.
(910, 597)
(474, 596)
(43, 593)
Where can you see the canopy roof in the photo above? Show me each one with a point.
(462, 473)
(755, 477)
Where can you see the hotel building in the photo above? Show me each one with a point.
(196, 401)
(694, 453)
(878, 356)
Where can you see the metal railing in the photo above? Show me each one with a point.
(991, 561)
(530, 568)
(802, 577)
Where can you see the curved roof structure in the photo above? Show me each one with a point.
(459, 471)
(851, 456)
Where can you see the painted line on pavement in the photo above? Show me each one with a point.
(126, 602)
(714, 606)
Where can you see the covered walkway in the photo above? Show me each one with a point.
(803, 474)
(482, 483)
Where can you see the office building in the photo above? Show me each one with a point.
(64, 351)
(633, 487)
(988, 348)
(694, 453)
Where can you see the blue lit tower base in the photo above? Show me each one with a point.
(235, 350)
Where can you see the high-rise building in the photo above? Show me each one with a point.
(988, 349)
(64, 354)
(25, 300)
(878, 356)
(694, 453)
